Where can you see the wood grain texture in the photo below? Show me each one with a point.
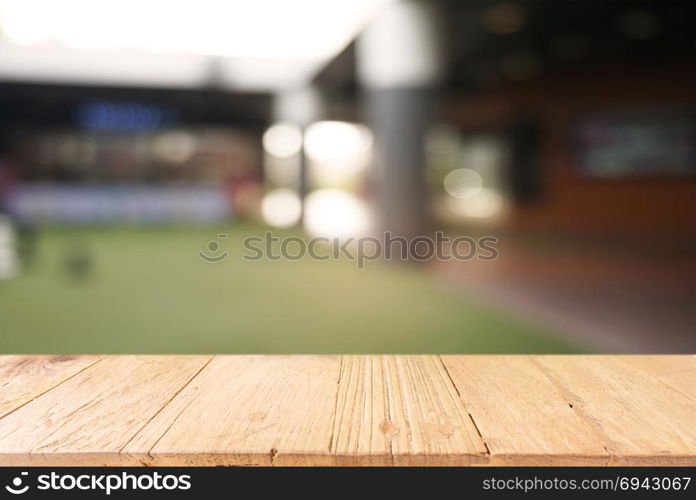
(248, 410)
(522, 415)
(639, 419)
(347, 410)
(90, 417)
(677, 372)
(683, 382)
(402, 410)
(23, 378)
(661, 365)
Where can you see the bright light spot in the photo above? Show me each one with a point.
(263, 44)
(9, 263)
(283, 140)
(463, 183)
(334, 213)
(336, 141)
(262, 28)
(337, 151)
(281, 208)
(486, 203)
(174, 147)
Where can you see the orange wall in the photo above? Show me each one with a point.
(640, 206)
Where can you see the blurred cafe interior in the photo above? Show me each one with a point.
(135, 134)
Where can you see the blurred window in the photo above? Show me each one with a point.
(647, 145)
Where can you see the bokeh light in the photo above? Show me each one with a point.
(487, 203)
(334, 213)
(281, 208)
(282, 140)
(338, 152)
(329, 141)
(174, 147)
(9, 264)
(463, 183)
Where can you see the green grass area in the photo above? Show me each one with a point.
(147, 291)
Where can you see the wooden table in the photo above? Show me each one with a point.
(347, 410)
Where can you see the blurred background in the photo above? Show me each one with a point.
(135, 136)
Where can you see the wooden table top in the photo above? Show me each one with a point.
(347, 410)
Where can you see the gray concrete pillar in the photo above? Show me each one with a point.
(399, 61)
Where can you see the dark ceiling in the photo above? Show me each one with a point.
(490, 44)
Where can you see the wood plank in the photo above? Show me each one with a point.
(675, 371)
(522, 416)
(349, 410)
(90, 417)
(644, 421)
(247, 410)
(662, 364)
(683, 382)
(23, 378)
(363, 428)
(402, 410)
